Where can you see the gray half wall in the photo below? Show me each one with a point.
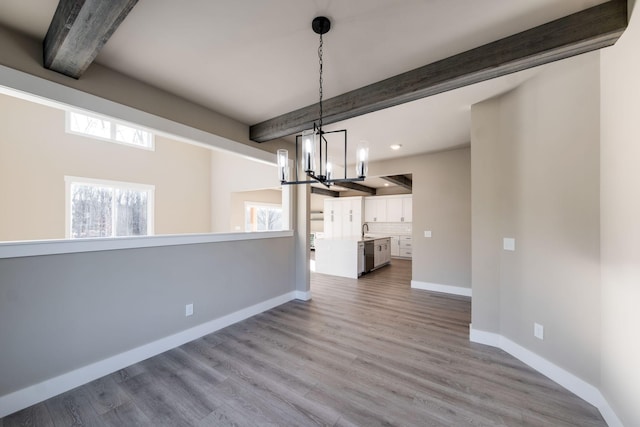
(59, 313)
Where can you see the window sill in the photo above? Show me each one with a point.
(54, 247)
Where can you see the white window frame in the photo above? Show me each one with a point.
(113, 123)
(263, 205)
(150, 189)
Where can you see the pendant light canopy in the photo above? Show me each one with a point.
(312, 145)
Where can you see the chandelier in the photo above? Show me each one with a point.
(312, 145)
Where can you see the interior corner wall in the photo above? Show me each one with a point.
(535, 177)
(620, 227)
(230, 174)
(442, 205)
(240, 198)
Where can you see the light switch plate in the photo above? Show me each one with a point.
(509, 244)
(427, 234)
(538, 331)
(188, 310)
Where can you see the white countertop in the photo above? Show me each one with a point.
(367, 238)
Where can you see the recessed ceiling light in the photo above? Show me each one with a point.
(396, 146)
(386, 184)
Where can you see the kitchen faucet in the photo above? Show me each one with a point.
(363, 225)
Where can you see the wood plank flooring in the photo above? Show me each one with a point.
(363, 352)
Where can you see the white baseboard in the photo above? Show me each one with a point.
(303, 295)
(566, 379)
(31, 395)
(446, 289)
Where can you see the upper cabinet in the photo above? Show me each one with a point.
(407, 209)
(388, 209)
(342, 217)
(375, 209)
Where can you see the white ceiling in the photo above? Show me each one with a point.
(255, 59)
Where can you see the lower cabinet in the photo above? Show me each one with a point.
(406, 250)
(382, 254)
(395, 245)
(401, 246)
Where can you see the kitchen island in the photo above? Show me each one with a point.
(352, 256)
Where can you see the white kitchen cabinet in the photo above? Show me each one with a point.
(395, 245)
(406, 247)
(399, 209)
(342, 217)
(394, 210)
(382, 254)
(332, 219)
(388, 209)
(375, 209)
(407, 209)
(352, 216)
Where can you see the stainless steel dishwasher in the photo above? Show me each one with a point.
(369, 252)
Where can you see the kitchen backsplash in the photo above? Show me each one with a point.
(395, 228)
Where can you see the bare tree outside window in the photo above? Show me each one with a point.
(103, 210)
(109, 129)
(91, 211)
(263, 217)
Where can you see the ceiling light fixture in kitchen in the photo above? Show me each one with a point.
(313, 143)
(395, 147)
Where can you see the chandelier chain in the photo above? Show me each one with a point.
(320, 90)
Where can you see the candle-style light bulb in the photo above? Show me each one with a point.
(362, 160)
(308, 151)
(329, 168)
(283, 165)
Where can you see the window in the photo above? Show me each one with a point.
(262, 217)
(98, 208)
(108, 129)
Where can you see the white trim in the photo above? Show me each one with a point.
(31, 395)
(566, 379)
(303, 295)
(483, 337)
(446, 289)
(52, 247)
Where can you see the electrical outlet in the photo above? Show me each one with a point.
(538, 331)
(427, 234)
(188, 310)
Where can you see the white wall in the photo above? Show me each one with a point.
(238, 200)
(230, 174)
(442, 205)
(535, 178)
(35, 159)
(620, 227)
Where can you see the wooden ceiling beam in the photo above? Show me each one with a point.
(399, 180)
(581, 32)
(78, 31)
(357, 187)
(324, 192)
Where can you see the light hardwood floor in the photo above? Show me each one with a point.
(363, 352)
